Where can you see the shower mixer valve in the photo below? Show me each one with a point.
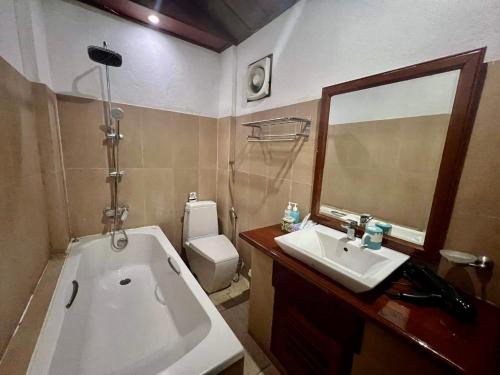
(121, 214)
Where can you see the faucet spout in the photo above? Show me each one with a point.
(351, 227)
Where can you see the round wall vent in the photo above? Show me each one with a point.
(259, 79)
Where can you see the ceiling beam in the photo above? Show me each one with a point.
(169, 25)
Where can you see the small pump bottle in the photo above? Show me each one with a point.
(288, 210)
(295, 213)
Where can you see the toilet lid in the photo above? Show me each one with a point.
(216, 248)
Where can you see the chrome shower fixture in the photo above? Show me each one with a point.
(117, 114)
(117, 212)
(105, 56)
(113, 134)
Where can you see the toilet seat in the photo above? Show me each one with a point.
(216, 249)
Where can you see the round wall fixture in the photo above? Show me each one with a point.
(259, 79)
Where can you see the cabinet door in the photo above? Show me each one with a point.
(302, 348)
(312, 333)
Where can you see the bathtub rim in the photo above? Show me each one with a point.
(217, 351)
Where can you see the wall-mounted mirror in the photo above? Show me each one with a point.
(392, 145)
(383, 152)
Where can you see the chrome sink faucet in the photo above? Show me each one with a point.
(351, 227)
(364, 219)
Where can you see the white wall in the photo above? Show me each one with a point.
(317, 43)
(425, 96)
(22, 38)
(9, 41)
(46, 40)
(32, 42)
(40, 42)
(227, 84)
(158, 70)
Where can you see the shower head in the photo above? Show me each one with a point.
(104, 56)
(117, 114)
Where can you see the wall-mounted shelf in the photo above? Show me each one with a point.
(262, 131)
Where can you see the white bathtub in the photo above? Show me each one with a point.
(158, 323)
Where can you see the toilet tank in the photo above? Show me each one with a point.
(200, 220)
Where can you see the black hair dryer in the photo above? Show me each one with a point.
(435, 291)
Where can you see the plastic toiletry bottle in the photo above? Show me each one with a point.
(295, 213)
(288, 210)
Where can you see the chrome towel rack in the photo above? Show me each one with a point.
(262, 131)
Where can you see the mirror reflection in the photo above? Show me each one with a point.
(383, 153)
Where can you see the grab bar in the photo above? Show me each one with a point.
(73, 294)
(174, 266)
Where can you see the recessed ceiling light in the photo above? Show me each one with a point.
(153, 19)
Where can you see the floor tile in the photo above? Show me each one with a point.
(270, 370)
(236, 317)
(239, 288)
(219, 299)
(250, 367)
(255, 357)
(237, 293)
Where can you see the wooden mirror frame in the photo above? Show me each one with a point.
(469, 86)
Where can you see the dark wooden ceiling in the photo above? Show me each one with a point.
(214, 24)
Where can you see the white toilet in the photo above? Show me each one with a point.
(212, 257)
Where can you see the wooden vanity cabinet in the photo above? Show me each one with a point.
(308, 324)
(312, 333)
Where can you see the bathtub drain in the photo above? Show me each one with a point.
(125, 281)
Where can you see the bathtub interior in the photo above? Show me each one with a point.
(142, 327)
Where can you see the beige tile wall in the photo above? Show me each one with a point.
(165, 155)
(24, 236)
(475, 223)
(49, 143)
(387, 167)
(265, 177)
(259, 179)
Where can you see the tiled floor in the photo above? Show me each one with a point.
(236, 294)
(233, 305)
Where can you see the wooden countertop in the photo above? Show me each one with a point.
(467, 348)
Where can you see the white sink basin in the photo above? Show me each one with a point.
(331, 253)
